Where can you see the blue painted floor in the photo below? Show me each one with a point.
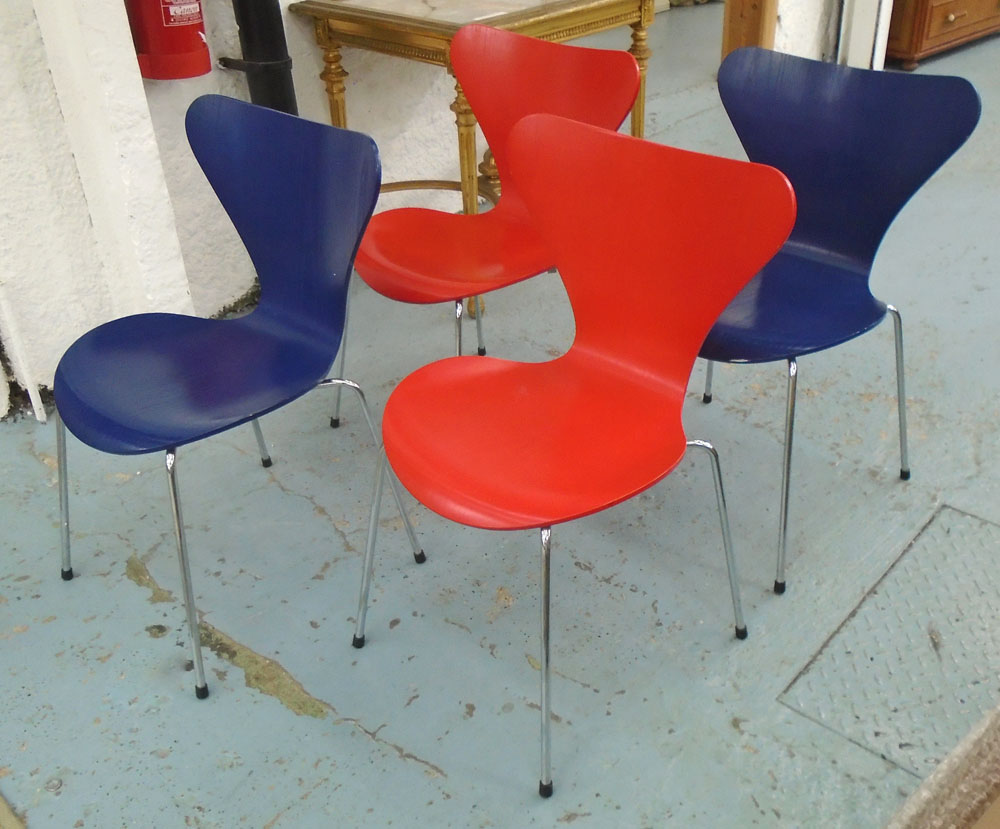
(661, 716)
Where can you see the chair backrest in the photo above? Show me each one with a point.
(506, 76)
(651, 242)
(855, 143)
(300, 195)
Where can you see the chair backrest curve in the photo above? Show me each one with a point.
(299, 193)
(506, 76)
(651, 242)
(855, 143)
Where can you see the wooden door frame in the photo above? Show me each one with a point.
(749, 23)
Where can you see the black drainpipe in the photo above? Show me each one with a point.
(265, 55)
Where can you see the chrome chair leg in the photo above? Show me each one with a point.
(707, 396)
(727, 539)
(397, 491)
(67, 566)
(479, 325)
(545, 781)
(341, 362)
(201, 686)
(369, 563)
(786, 471)
(458, 328)
(265, 458)
(904, 455)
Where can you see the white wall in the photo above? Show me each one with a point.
(87, 232)
(105, 211)
(808, 28)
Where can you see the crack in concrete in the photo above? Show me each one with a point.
(318, 509)
(432, 770)
(270, 677)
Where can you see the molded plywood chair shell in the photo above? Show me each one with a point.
(507, 445)
(299, 194)
(421, 256)
(856, 145)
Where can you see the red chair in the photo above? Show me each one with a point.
(651, 243)
(424, 256)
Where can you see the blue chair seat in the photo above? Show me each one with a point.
(796, 305)
(152, 382)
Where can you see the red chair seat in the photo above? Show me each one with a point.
(474, 440)
(421, 256)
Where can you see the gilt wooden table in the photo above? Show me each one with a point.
(421, 31)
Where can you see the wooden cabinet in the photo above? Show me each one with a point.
(923, 27)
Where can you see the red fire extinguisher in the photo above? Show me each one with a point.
(169, 38)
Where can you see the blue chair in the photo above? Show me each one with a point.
(856, 145)
(300, 194)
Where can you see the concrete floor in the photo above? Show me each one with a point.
(662, 717)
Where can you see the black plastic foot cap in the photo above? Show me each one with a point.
(741, 633)
(358, 641)
(201, 691)
(420, 558)
(67, 575)
(481, 351)
(706, 398)
(545, 789)
(334, 422)
(904, 474)
(779, 587)
(266, 462)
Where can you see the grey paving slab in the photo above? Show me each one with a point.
(915, 666)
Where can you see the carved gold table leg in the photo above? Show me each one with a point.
(641, 52)
(333, 76)
(489, 178)
(466, 123)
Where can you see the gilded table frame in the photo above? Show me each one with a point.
(338, 24)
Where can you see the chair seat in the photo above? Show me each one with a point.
(423, 256)
(796, 305)
(548, 443)
(153, 382)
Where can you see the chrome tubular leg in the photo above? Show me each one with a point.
(201, 686)
(369, 565)
(786, 471)
(67, 566)
(419, 556)
(479, 325)
(545, 781)
(904, 455)
(265, 458)
(341, 362)
(727, 538)
(397, 492)
(458, 328)
(707, 396)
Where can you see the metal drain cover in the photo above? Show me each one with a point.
(917, 663)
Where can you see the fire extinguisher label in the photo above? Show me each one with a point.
(180, 12)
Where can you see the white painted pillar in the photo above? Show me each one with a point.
(96, 76)
(87, 231)
(864, 32)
